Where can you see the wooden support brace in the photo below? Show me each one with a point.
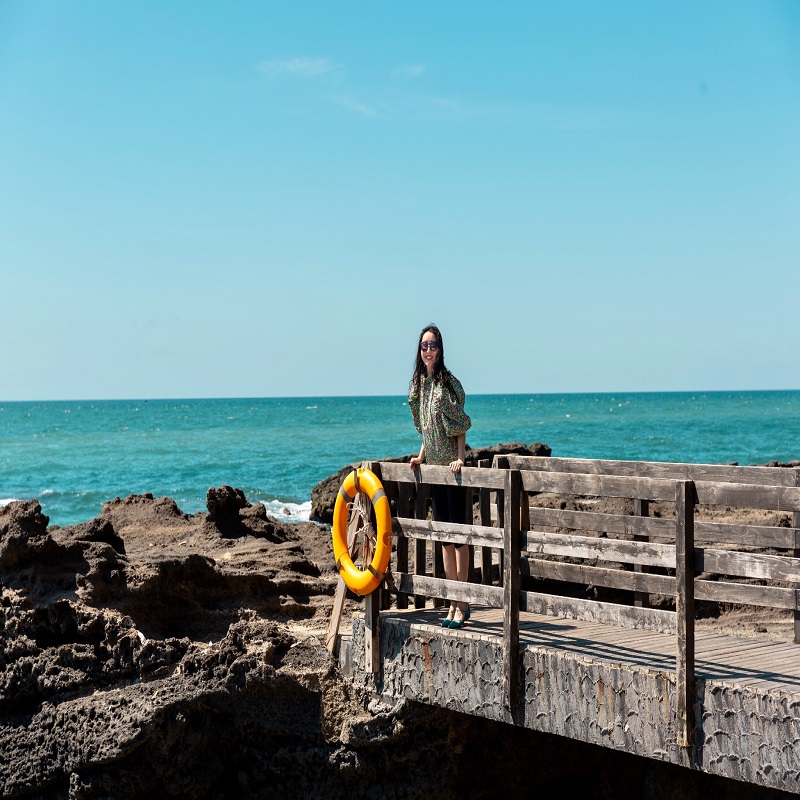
(684, 606)
(403, 505)
(486, 520)
(511, 585)
(372, 633)
(420, 546)
(796, 554)
(641, 508)
(501, 462)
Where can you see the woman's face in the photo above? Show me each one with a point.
(429, 350)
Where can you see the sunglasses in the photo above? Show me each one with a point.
(428, 346)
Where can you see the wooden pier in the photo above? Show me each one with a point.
(624, 675)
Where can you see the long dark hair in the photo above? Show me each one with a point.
(440, 372)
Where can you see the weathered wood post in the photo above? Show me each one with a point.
(372, 617)
(796, 554)
(501, 462)
(403, 503)
(511, 547)
(641, 508)
(684, 606)
(438, 570)
(486, 520)
(420, 545)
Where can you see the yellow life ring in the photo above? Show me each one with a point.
(362, 581)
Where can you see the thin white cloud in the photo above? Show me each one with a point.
(409, 71)
(356, 106)
(303, 67)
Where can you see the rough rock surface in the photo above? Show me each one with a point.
(149, 653)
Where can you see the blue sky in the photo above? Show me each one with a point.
(272, 199)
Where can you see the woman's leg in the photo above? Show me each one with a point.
(449, 558)
(449, 505)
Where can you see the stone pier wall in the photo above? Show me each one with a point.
(740, 733)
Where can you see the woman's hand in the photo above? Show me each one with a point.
(455, 466)
(415, 462)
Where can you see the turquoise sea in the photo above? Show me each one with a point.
(74, 456)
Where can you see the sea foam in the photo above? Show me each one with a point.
(288, 512)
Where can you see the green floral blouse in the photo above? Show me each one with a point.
(438, 412)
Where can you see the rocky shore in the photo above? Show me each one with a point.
(149, 653)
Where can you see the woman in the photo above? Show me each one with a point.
(436, 399)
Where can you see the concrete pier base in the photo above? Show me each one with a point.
(741, 732)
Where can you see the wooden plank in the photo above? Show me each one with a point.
(796, 554)
(747, 565)
(421, 497)
(428, 474)
(511, 598)
(420, 567)
(620, 524)
(743, 534)
(598, 576)
(449, 532)
(741, 495)
(484, 504)
(500, 463)
(372, 633)
(591, 610)
(403, 494)
(641, 508)
(745, 594)
(473, 593)
(684, 607)
(438, 570)
(576, 546)
(765, 476)
(598, 485)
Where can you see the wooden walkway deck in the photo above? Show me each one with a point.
(737, 662)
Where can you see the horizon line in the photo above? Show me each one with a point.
(144, 399)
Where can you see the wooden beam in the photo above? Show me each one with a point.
(664, 470)
(448, 532)
(641, 508)
(714, 590)
(372, 633)
(577, 546)
(511, 584)
(652, 619)
(421, 498)
(739, 495)
(598, 485)
(460, 591)
(684, 607)
(796, 555)
(484, 500)
(428, 474)
(403, 509)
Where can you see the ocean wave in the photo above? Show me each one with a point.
(288, 512)
(7, 500)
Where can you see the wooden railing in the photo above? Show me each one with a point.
(521, 520)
